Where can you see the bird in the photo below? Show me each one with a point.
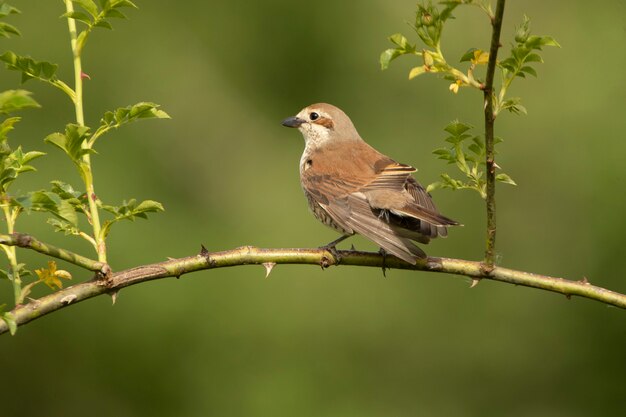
(354, 189)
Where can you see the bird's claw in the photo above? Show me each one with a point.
(383, 253)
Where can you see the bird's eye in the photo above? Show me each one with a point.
(314, 116)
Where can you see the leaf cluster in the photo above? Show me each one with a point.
(65, 203)
(524, 54)
(429, 24)
(6, 30)
(31, 69)
(96, 17)
(76, 142)
(467, 152)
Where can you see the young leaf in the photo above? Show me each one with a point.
(130, 210)
(66, 192)
(6, 30)
(403, 47)
(14, 100)
(30, 68)
(15, 163)
(125, 115)
(63, 226)
(89, 6)
(95, 17)
(416, 71)
(71, 142)
(505, 179)
(9, 319)
(6, 9)
(41, 70)
(46, 201)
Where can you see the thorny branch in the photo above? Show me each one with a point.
(248, 255)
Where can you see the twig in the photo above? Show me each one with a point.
(258, 256)
(27, 241)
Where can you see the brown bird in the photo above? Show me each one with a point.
(353, 188)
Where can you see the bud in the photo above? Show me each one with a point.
(428, 58)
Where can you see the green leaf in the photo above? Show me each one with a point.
(6, 9)
(80, 16)
(72, 141)
(49, 202)
(399, 40)
(14, 163)
(387, 56)
(125, 115)
(469, 55)
(103, 24)
(77, 199)
(130, 210)
(9, 319)
(416, 71)
(6, 30)
(536, 42)
(513, 105)
(89, 6)
(63, 226)
(457, 128)
(434, 186)
(14, 100)
(42, 70)
(529, 70)
(115, 13)
(505, 179)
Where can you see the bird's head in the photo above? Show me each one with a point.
(322, 123)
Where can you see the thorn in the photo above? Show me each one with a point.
(268, 268)
(113, 295)
(204, 251)
(84, 75)
(496, 165)
(352, 248)
(475, 282)
(584, 281)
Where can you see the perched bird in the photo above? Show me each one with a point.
(353, 188)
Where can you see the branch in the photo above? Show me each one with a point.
(26, 241)
(496, 23)
(248, 255)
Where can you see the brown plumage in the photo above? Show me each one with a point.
(353, 188)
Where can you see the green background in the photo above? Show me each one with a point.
(344, 341)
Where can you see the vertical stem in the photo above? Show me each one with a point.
(496, 24)
(10, 216)
(85, 166)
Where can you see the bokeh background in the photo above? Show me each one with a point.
(344, 341)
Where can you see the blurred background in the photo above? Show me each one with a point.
(343, 341)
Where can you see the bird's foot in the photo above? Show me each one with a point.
(383, 253)
(332, 248)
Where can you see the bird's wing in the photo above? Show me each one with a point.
(395, 240)
(329, 193)
(349, 208)
(394, 189)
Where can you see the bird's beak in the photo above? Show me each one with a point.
(293, 121)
